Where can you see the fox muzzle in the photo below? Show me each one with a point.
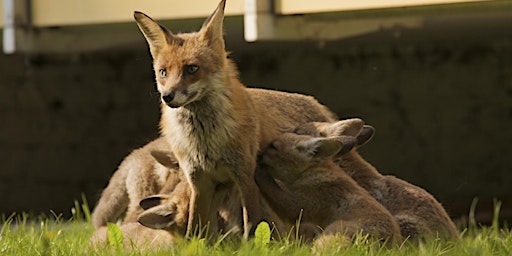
(169, 97)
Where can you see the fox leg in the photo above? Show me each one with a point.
(202, 190)
(192, 222)
(205, 201)
(251, 202)
(245, 214)
(251, 208)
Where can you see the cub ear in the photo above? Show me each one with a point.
(158, 217)
(212, 30)
(166, 158)
(365, 135)
(156, 35)
(320, 148)
(152, 201)
(349, 127)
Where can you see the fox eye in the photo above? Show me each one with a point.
(162, 72)
(191, 69)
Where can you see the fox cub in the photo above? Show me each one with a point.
(214, 125)
(417, 212)
(139, 183)
(316, 189)
(138, 176)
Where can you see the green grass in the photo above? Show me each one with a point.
(20, 235)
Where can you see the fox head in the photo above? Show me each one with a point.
(186, 65)
(291, 155)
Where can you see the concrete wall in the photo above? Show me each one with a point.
(442, 111)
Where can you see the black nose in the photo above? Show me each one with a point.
(168, 97)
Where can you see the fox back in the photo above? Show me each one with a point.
(417, 212)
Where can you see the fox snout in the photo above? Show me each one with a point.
(179, 98)
(168, 98)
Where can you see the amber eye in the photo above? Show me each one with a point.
(191, 69)
(162, 72)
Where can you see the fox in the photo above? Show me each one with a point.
(214, 125)
(139, 175)
(135, 234)
(417, 212)
(314, 188)
(128, 186)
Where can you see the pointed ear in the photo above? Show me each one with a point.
(156, 35)
(365, 135)
(349, 127)
(160, 216)
(320, 148)
(212, 31)
(152, 201)
(165, 158)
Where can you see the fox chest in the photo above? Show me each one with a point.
(217, 159)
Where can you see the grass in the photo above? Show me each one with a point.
(21, 235)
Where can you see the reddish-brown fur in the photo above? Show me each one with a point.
(215, 125)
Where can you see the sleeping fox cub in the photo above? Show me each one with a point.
(417, 212)
(316, 188)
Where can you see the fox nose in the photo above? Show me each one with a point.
(167, 98)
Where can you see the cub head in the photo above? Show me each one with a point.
(186, 65)
(291, 155)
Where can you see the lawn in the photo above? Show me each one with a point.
(21, 235)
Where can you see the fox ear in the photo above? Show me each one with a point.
(152, 201)
(156, 35)
(348, 127)
(212, 31)
(320, 148)
(365, 135)
(165, 158)
(158, 216)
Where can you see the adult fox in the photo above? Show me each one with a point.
(215, 126)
